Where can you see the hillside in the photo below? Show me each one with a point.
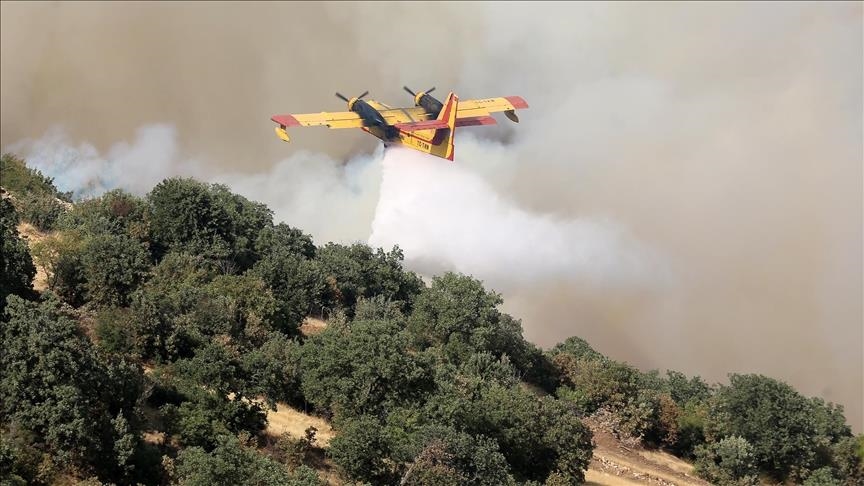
(175, 338)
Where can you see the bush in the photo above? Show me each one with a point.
(114, 267)
(786, 430)
(40, 210)
(235, 464)
(363, 368)
(731, 461)
(114, 330)
(19, 179)
(16, 264)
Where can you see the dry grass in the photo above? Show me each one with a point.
(33, 236)
(312, 326)
(294, 422)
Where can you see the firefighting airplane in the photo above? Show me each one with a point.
(429, 126)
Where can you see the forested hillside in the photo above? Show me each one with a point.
(178, 315)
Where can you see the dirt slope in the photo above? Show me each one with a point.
(33, 236)
(617, 464)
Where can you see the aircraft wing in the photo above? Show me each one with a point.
(479, 108)
(395, 116)
(338, 119)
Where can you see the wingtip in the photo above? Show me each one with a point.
(518, 102)
(285, 120)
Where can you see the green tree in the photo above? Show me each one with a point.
(164, 308)
(848, 459)
(55, 386)
(273, 371)
(361, 450)
(242, 307)
(114, 266)
(538, 436)
(19, 179)
(284, 238)
(116, 212)
(297, 284)
(213, 389)
(206, 220)
(786, 429)
(359, 368)
(457, 316)
(233, 463)
(40, 210)
(357, 271)
(731, 461)
(114, 332)
(15, 261)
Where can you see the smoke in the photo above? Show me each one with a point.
(313, 191)
(446, 217)
(684, 192)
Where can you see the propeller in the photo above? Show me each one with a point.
(415, 94)
(346, 100)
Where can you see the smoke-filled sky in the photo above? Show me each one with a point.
(685, 190)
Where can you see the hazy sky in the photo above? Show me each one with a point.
(685, 190)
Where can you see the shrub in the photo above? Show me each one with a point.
(731, 461)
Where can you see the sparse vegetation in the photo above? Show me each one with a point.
(423, 384)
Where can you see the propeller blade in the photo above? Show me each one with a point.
(342, 97)
(409, 91)
(430, 90)
(364, 94)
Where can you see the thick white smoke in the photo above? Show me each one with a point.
(333, 201)
(447, 217)
(79, 168)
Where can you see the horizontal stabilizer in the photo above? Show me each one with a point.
(472, 121)
(422, 125)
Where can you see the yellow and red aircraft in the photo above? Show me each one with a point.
(428, 126)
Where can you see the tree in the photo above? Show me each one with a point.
(113, 330)
(357, 271)
(233, 463)
(59, 254)
(732, 461)
(281, 237)
(537, 436)
(206, 220)
(273, 370)
(114, 266)
(19, 179)
(785, 429)
(457, 316)
(16, 264)
(240, 306)
(40, 210)
(848, 460)
(51, 380)
(361, 368)
(213, 391)
(116, 212)
(361, 450)
(55, 386)
(297, 284)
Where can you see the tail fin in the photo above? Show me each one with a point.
(442, 145)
